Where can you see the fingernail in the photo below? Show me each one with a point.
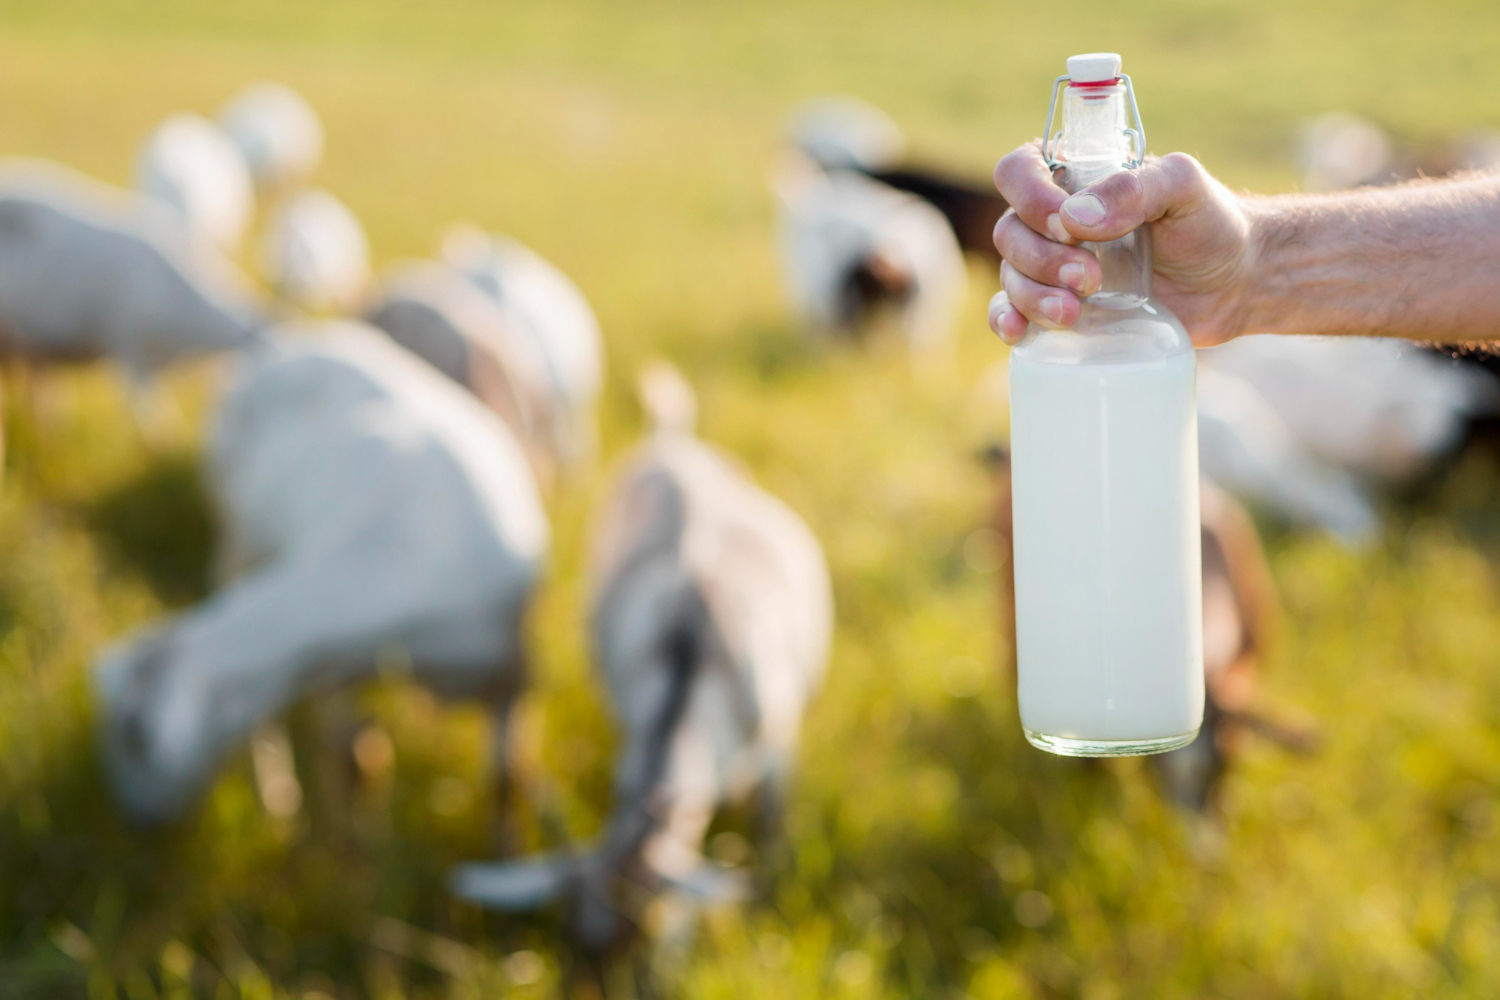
(1057, 230)
(1001, 318)
(1000, 308)
(1085, 208)
(1073, 275)
(1052, 308)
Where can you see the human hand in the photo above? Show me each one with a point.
(1202, 235)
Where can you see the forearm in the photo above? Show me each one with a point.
(1420, 261)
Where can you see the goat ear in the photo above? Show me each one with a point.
(515, 886)
(711, 883)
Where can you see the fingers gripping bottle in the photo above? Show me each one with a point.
(1104, 452)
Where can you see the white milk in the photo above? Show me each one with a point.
(1107, 565)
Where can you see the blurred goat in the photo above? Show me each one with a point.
(853, 248)
(316, 253)
(278, 133)
(538, 301)
(372, 511)
(189, 163)
(1245, 445)
(88, 272)
(1311, 426)
(844, 133)
(1382, 410)
(1240, 616)
(436, 313)
(712, 619)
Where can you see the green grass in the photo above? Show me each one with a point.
(930, 852)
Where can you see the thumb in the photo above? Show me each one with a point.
(1122, 203)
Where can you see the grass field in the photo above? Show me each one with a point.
(930, 852)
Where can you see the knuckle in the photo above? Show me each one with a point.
(1023, 292)
(1181, 166)
(1183, 173)
(1127, 187)
(1121, 193)
(1007, 168)
(1036, 202)
(1025, 184)
(1023, 259)
(1008, 232)
(1003, 224)
(1179, 182)
(1045, 258)
(1010, 280)
(1020, 160)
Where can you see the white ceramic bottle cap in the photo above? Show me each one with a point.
(1094, 67)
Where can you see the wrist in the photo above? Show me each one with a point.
(1266, 303)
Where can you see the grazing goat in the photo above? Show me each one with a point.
(278, 133)
(87, 272)
(1382, 410)
(433, 311)
(1240, 615)
(372, 510)
(844, 133)
(1246, 446)
(542, 303)
(1310, 426)
(189, 163)
(316, 253)
(852, 248)
(712, 618)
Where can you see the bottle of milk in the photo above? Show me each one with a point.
(1104, 452)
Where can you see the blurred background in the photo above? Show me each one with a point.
(929, 851)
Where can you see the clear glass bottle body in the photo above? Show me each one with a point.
(1104, 453)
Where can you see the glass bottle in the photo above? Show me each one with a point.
(1104, 452)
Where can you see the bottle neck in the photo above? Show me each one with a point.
(1094, 145)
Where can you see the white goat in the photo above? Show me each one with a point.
(371, 509)
(711, 624)
(189, 163)
(87, 271)
(845, 133)
(436, 313)
(316, 253)
(544, 304)
(851, 245)
(1382, 410)
(1246, 447)
(277, 131)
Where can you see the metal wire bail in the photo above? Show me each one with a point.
(1047, 137)
(1137, 134)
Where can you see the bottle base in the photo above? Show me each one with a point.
(1065, 746)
